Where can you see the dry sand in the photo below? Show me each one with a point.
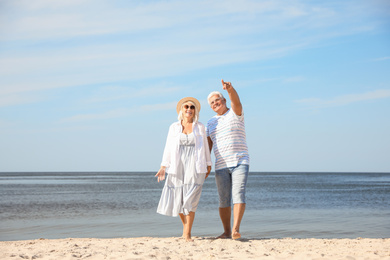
(200, 248)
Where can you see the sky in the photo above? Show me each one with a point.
(93, 85)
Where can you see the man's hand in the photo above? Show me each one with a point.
(226, 85)
(208, 171)
(234, 98)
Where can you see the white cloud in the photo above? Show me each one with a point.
(18, 99)
(45, 20)
(75, 43)
(118, 113)
(382, 59)
(158, 107)
(113, 93)
(116, 62)
(345, 99)
(46, 4)
(98, 116)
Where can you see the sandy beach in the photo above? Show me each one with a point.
(200, 248)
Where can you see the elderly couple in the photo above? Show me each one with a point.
(187, 161)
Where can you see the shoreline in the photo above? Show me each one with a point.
(200, 248)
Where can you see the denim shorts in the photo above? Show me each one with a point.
(231, 183)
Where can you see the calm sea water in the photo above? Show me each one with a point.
(110, 204)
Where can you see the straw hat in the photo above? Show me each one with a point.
(183, 100)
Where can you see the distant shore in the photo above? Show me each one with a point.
(200, 248)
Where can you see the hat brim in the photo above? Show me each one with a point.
(183, 100)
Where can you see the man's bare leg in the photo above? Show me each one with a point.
(238, 213)
(225, 215)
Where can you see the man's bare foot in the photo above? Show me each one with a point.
(236, 235)
(224, 236)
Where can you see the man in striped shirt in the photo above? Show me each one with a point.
(226, 134)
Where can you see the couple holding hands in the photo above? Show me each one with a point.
(187, 161)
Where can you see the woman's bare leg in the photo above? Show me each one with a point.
(189, 220)
(183, 220)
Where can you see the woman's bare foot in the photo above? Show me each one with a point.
(236, 235)
(224, 236)
(187, 238)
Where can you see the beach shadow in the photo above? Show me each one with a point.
(251, 239)
(243, 240)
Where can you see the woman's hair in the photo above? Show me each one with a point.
(213, 94)
(196, 116)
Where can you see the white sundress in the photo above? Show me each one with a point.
(181, 192)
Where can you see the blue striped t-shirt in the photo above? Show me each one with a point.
(229, 140)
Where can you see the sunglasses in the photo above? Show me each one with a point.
(187, 106)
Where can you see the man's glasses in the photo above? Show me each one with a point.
(215, 100)
(187, 106)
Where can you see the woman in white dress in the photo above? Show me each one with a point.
(187, 162)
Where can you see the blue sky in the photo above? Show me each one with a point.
(92, 85)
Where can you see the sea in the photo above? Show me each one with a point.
(54, 205)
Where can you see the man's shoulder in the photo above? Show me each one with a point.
(211, 120)
(232, 114)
